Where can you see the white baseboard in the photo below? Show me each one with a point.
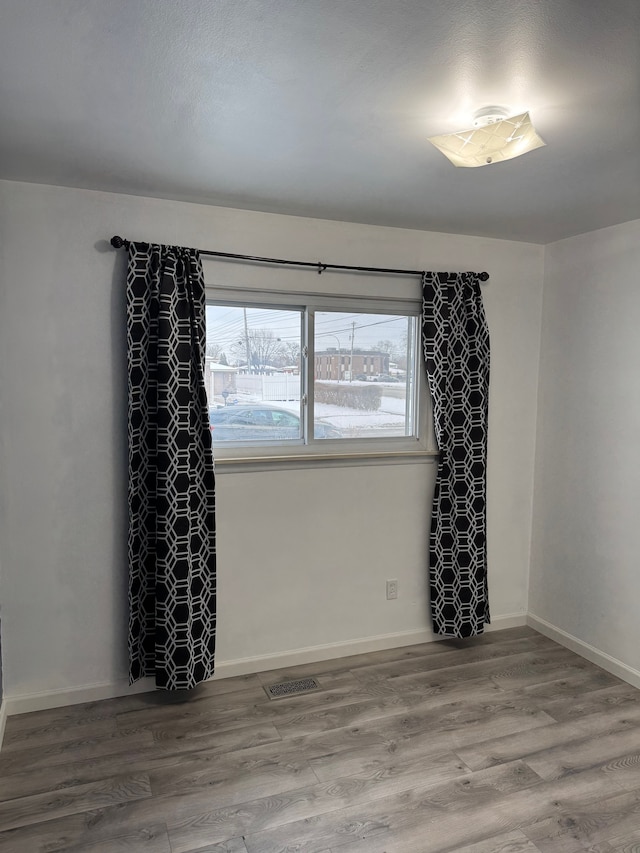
(328, 651)
(3, 720)
(332, 651)
(601, 659)
(25, 703)
(509, 620)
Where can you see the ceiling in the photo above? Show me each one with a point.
(322, 108)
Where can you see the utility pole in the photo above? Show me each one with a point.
(353, 334)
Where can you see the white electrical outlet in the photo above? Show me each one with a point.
(392, 589)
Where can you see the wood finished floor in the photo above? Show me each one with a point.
(507, 743)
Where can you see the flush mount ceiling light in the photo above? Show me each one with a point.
(496, 136)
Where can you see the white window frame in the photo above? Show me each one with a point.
(418, 447)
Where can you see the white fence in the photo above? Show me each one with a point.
(282, 386)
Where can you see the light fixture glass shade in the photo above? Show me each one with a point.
(492, 143)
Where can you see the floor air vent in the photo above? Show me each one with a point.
(292, 688)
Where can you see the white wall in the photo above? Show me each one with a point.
(584, 567)
(62, 443)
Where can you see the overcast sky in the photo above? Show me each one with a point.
(225, 327)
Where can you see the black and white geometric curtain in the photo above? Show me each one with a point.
(172, 555)
(455, 338)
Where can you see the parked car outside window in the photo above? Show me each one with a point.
(261, 422)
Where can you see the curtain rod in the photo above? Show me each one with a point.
(120, 243)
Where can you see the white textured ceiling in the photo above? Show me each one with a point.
(322, 107)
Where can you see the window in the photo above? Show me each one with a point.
(363, 404)
(332, 375)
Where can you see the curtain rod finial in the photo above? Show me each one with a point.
(484, 276)
(118, 242)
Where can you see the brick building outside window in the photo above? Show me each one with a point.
(334, 365)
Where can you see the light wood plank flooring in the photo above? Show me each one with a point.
(507, 743)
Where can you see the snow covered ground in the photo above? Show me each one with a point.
(388, 420)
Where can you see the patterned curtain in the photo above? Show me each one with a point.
(455, 338)
(172, 557)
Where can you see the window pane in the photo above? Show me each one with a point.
(252, 374)
(363, 374)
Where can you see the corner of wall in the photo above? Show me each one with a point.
(582, 584)
(540, 320)
(599, 658)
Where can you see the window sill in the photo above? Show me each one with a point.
(240, 464)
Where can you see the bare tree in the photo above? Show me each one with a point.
(264, 349)
(396, 350)
(385, 346)
(290, 354)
